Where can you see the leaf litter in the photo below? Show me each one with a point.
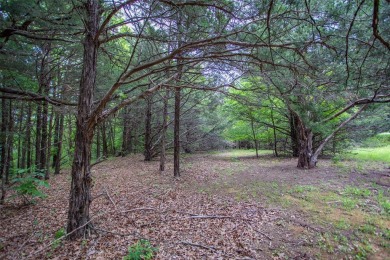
(132, 201)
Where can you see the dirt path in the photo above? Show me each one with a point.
(223, 207)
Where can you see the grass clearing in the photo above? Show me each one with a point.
(376, 154)
(355, 218)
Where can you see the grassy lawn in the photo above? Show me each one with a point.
(379, 154)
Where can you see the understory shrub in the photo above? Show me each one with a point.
(142, 250)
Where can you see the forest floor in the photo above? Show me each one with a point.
(226, 205)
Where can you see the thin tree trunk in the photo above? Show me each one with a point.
(274, 130)
(20, 138)
(314, 157)
(3, 146)
(294, 134)
(28, 139)
(125, 133)
(254, 138)
(58, 143)
(164, 131)
(38, 136)
(176, 152)
(80, 193)
(104, 139)
(10, 143)
(97, 142)
(148, 129)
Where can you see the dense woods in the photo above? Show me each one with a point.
(82, 81)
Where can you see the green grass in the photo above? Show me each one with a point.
(378, 154)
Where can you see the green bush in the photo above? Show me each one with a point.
(28, 186)
(142, 250)
(378, 140)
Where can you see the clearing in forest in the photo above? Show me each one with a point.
(226, 205)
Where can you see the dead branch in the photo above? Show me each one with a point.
(375, 22)
(209, 216)
(264, 235)
(100, 160)
(137, 209)
(198, 245)
(109, 197)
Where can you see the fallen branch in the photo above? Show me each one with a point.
(209, 216)
(68, 234)
(118, 234)
(100, 160)
(198, 245)
(136, 209)
(265, 235)
(109, 197)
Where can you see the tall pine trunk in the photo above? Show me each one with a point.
(293, 118)
(80, 193)
(164, 131)
(176, 142)
(3, 146)
(148, 130)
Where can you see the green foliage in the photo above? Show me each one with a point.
(367, 228)
(354, 191)
(142, 250)
(29, 185)
(379, 140)
(384, 202)
(348, 203)
(60, 233)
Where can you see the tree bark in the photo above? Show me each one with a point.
(10, 143)
(294, 134)
(38, 136)
(28, 139)
(254, 137)
(164, 131)
(104, 139)
(20, 139)
(80, 193)
(176, 152)
(3, 146)
(58, 136)
(274, 130)
(148, 130)
(307, 158)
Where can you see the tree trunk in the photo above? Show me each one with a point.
(148, 129)
(59, 133)
(10, 143)
(305, 147)
(3, 146)
(176, 152)
(314, 157)
(254, 138)
(125, 133)
(274, 130)
(28, 139)
(104, 139)
(38, 137)
(80, 193)
(164, 131)
(294, 134)
(20, 139)
(307, 158)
